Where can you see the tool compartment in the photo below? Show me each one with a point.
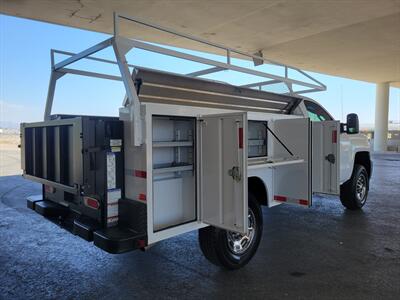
(174, 192)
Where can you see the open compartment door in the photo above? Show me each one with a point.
(325, 154)
(222, 167)
(292, 182)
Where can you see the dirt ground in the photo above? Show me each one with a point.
(10, 155)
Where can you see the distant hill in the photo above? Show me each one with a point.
(9, 125)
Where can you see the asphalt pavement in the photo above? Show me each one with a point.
(325, 252)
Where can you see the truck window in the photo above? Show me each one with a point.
(315, 112)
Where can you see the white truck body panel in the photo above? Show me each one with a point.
(287, 179)
(218, 150)
(350, 145)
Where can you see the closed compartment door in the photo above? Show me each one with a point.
(222, 171)
(325, 157)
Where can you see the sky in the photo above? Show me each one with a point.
(25, 71)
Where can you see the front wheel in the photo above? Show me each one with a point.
(354, 192)
(232, 250)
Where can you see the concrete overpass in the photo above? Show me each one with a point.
(357, 39)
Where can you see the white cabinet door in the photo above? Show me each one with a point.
(326, 157)
(292, 182)
(222, 171)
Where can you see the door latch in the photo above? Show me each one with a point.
(235, 173)
(331, 158)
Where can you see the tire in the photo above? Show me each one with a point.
(217, 244)
(354, 192)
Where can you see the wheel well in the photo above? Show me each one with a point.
(257, 187)
(363, 158)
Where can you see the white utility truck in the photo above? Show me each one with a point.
(188, 153)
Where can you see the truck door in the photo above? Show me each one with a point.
(325, 155)
(222, 171)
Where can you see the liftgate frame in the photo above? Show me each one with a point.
(121, 46)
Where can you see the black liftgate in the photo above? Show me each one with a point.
(79, 161)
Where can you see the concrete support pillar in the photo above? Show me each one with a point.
(381, 116)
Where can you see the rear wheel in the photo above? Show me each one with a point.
(232, 250)
(354, 192)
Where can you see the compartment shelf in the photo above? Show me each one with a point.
(256, 142)
(173, 144)
(173, 158)
(272, 162)
(168, 168)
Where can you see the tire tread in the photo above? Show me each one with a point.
(212, 239)
(208, 242)
(347, 193)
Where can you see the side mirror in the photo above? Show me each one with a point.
(352, 124)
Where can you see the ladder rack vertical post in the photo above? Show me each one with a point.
(115, 18)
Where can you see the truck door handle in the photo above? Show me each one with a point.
(235, 173)
(331, 158)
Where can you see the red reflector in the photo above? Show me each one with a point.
(280, 198)
(141, 174)
(240, 138)
(334, 136)
(49, 189)
(142, 197)
(303, 202)
(141, 243)
(91, 202)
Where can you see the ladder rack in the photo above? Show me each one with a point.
(256, 100)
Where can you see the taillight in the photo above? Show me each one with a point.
(334, 136)
(240, 138)
(91, 202)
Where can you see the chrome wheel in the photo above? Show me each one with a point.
(240, 243)
(361, 188)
